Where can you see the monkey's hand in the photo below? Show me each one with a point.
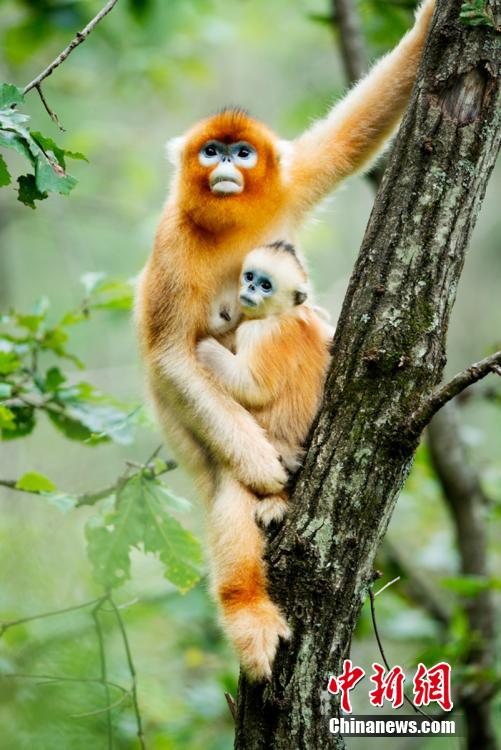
(218, 415)
(211, 354)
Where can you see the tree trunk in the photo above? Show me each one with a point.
(388, 354)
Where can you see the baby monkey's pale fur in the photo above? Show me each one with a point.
(202, 239)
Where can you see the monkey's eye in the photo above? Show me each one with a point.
(248, 275)
(210, 151)
(266, 285)
(244, 154)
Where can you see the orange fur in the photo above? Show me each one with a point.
(199, 246)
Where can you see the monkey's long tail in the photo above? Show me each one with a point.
(251, 620)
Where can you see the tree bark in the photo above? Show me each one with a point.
(388, 354)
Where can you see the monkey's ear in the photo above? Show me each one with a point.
(174, 149)
(299, 296)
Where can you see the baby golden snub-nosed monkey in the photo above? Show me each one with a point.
(237, 186)
(275, 362)
(275, 367)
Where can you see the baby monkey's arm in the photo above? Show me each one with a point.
(235, 373)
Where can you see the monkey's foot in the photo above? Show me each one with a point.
(262, 473)
(255, 630)
(270, 510)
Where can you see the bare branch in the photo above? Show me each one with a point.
(49, 111)
(104, 671)
(381, 649)
(230, 700)
(79, 38)
(132, 671)
(445, 393)
(21, 620)
(351, 40)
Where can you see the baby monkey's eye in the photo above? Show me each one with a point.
(266, 285)
(210, 151)
(243, 152)
(248, 276)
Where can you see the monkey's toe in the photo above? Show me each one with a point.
(255, 631)
(270, 510)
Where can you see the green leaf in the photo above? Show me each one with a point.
(9, 95)
(103, 421)
(9, 362)
(178, 550)
(61, 501)
(24, 422)
(10, 139)
(7, 419)
(5, 178)
(106, 294)
(51, 177)
(71, 428)
(53, 379)
(172, 501)
(139, 517)
(35, 482)
(5, 390)
(31, 322)
(28, 191)
(50, 147)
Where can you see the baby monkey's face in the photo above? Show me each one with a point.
(257, 293)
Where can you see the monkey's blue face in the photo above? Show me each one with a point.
(255, 288)
(227, 159)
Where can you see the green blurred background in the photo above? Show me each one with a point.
(147, 72)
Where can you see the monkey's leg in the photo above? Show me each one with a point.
(271, 509)
(251, 620)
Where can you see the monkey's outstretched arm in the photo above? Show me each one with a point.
(356, 129)
(222, 425)
(235, 373)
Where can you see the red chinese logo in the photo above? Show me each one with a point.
(433, 684)
(345, 682)
(389, 687)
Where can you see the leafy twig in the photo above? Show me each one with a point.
(91, 498)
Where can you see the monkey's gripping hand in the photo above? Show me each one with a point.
(235, 373)
(224, 427)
